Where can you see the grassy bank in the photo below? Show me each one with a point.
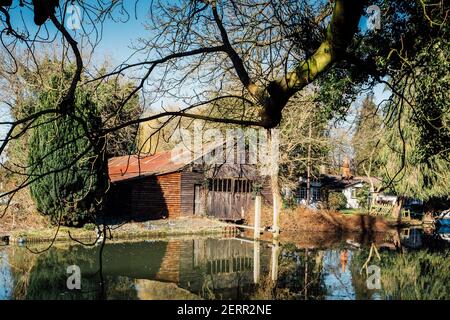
(131, 230)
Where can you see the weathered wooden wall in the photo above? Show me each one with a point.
(234, 206)
(150, 197)
(228, 205)
(188, 182)
(266, 193)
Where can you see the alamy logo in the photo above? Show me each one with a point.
(74, 17)
(374, 19)
(373, 281)
(232, 146)
(74, 280)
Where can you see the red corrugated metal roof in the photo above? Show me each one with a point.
(132, 166)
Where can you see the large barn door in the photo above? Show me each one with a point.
(229, 199)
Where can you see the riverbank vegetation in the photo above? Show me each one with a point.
(303, 220)
(36, 229)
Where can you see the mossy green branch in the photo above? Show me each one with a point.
(340, 32)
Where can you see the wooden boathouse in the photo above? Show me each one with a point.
(156, 186)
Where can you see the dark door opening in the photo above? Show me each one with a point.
(197, 199)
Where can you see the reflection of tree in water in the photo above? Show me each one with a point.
(299, 276)
(210, 291)
(421, 275)
(337, 274)
(44, 276)
(120, 288)
(359, 277)
(22, 264)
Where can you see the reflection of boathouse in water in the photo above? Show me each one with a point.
(197, 265)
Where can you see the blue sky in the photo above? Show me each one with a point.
(116, 36)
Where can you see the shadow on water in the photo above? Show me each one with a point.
(208, 268)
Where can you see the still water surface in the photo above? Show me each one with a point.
(230, 268)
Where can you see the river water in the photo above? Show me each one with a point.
(231, 268)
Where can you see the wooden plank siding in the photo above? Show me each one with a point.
(266, 193)
(228, 205)
(188, 182)
(233, 206)
(148, 197)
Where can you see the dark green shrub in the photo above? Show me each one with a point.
(66, 163)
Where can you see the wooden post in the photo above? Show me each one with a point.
(257, 223)
(308, 169)
(276, 215)
(256, 261)
(306, 274)
(257, 235)
(275, 255)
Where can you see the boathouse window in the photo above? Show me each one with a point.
(229, 185)
(243, 186)
(219, 185)
(315, 193)
(226, 185)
